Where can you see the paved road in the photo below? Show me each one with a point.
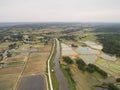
(36, 82)
(59, 74)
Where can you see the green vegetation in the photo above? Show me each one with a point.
(70, 37)
(112, 87)
(9, 54)
(12, 46)
(118, 80)
(111, 43)
(68, 60)
(81, 64)
(53, 76)
(108, 86)
(17, 63)
(90, 68)
(68, 74)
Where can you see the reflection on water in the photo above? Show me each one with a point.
(87, 50)
(108, 57)
(88, 58)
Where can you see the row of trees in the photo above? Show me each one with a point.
(108, 86)
(12, 46)
(90, 68)
(68, 60)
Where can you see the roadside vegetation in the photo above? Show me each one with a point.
(91, 68)
(67, 72)
(53, 76)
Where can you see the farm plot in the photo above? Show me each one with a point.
(87, 50)
(84, 81)
(93, 45)
(108, 57)
(37, 62)
(10, 73)
(111, 68)
(5, 45)
(67, 51)
(88, 58)
(7, 81)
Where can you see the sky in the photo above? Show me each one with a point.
(59, 10)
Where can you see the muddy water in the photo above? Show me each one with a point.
(63, 85)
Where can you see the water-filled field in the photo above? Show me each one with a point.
(108, 57)
(93, 45)
(88, 58)
(66, 50)
(87, 50)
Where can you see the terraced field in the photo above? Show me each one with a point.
(111, 68)
(67, 51)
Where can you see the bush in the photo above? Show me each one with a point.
(91, 68)
(112, 87)
(118, 80)
(81, 64)
(9, 54)
(67, 60)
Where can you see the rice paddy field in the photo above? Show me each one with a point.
(108, 57)
(10, 73)
(14, 65)
(94, 56)
(94, 45)
(88, 58)
(113, 69)
(87, 50)
(67, 50)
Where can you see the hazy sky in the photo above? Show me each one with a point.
(59, 10)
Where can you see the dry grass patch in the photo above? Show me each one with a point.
(84, 81)
(37, 62)
(8, 81)
(10, 70)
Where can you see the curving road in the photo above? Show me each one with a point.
(63, 85)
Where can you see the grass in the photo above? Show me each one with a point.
(53, 76)
(67, 72)
(110, 67)
(7, 81)
(17, 63)
(90, 36)
(97, 75)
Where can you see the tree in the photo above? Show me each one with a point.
(68, 60)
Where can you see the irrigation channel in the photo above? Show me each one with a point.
(63, 85)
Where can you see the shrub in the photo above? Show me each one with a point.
(118, 80)
(81, 64)
(68, 60)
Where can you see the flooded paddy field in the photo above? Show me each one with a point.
(94, 45)
(66, 50)
(36, 82)
(108, 57)
(88, 58)
(87, 50)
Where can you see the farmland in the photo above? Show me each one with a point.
(80, 53)
(24, 58)
(90, 50)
